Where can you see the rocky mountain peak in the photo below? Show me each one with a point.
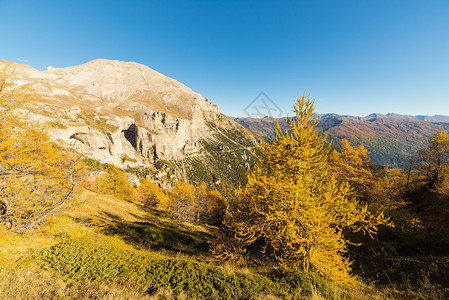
(112, 83)
(129, 115)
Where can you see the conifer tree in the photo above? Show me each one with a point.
(354, 166)
(114, 182)
(152, 195)
(380, 189)
(200, 204)
(291, 204)
(37, 177)
(435, 157)
(217, 206)
(182, 203)
(210, 205)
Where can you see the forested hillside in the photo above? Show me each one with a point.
(388, 138)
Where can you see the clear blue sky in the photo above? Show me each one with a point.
(354, 57)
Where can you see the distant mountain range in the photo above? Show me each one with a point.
(389, 138)
(432, 119)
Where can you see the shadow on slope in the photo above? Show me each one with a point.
(156, 232)
(415, 261)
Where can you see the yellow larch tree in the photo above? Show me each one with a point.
(151, 195)
(291, 204)
(354, 166)
(217, 206)
(37, 177)
(114, 182)
(435, 163)
(381, 189)
(436, 157)
(196, 204)
(210, 205)
(182, 203)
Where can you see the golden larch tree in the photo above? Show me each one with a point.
(114, 182)
(354, 166)
(37, 177)
(435, 157)
(151, 195)
(210, 205)
(381, 189)
(291, 204)
(182, 203)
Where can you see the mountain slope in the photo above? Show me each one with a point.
(389, 139)
(127, 114)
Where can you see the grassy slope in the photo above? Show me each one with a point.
(138, 254)
(133, 253)
(413, 264)
(144, 229)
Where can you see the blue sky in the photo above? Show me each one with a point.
(354, 57)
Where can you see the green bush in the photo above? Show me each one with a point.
(101, 258)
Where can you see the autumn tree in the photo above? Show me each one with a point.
(388, 196)
(354, 166)
(196, 204)
(114, 182)
(381, 189)
(291, 204)
(151, 195)
(37, 177)
(434, 164)
(210, 205)
(182, 202)
(441, 188)
(435, 157)
(217, 206)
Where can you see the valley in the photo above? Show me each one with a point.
(390, 139)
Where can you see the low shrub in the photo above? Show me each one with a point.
(101, 258)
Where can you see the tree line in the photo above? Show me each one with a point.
(184, 202)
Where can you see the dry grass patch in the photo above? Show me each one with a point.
(107, 208)
(33, 283)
